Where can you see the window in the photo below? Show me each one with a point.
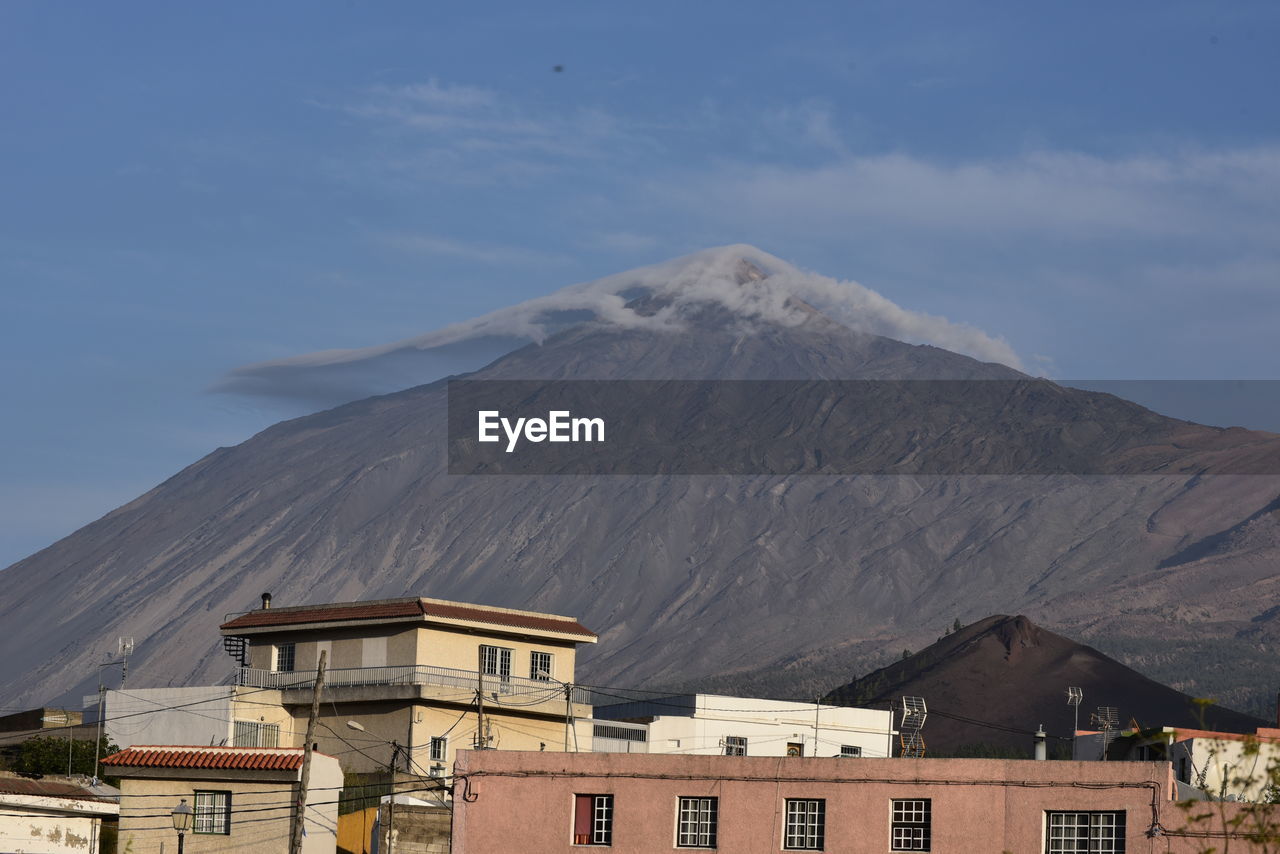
(439, 744)
(910, 830)
(212, 813)
(593, 820)
(795, 748)
(254, 734)
(696, 827)
(806, 824)
(735, 745)
(495, 661)
(1085, 833)
(284, 657)
(540, 666)
(850, 750)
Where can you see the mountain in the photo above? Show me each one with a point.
(820, 575)
(996, 680)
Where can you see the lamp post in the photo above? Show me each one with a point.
(182, 814)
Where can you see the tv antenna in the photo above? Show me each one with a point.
(1107, 719)
(914, 711)
(124, 648)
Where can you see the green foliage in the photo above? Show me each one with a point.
(955, 627)
(47, 754)
(906, 653)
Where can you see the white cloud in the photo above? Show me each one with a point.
(482, 253)
(680, 286)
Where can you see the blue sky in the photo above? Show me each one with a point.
(192, 188)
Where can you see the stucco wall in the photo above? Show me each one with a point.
(262, 806)
(25, 831)
(987, 806)
(148, 716)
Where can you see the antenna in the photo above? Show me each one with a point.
(124, 648)
(914, 713)
(1074, 696)
(1107, 718)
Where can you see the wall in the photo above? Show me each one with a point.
(262, 806)
(33, 831)
(415, 829)
(1229, 765)
(984, 806)
(147, 716)
(461, 649)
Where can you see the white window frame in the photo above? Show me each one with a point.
(910, 824)
(696, 822)
(601, 819)
(735, 745)
(1084, 831)
(212, 812)
(501, 660)
(439, 747)
(804, 826)
(255, 734)
(534, 666)
(278, 656)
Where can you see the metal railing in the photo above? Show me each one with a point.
(412, 674)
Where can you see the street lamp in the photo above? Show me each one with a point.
(182, 814)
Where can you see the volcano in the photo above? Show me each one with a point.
(775, 584)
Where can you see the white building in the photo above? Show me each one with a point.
(714, 724)
(208, 715)
(47, 816)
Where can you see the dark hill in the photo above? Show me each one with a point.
(1006, 676)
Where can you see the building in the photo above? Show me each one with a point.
(211, 715)
(407, 673)
(1206, 764)
(51, 815)
(711, 724)
(637, 803)
(245, 799)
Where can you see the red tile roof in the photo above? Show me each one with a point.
(47, 789)
(404, 608)
(174, 756)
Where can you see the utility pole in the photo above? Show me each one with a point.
(568, 713)
(817, 705)
(480, 740)
(295, 843)
(391, 804)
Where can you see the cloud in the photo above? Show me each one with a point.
(1051, 194)
(768, 291)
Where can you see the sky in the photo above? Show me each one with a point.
(189, 189)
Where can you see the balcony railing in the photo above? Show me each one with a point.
(501, 687)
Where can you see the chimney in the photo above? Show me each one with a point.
(1041, 752)
(266, 601)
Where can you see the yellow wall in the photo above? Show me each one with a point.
(459, 649)
(355, 831)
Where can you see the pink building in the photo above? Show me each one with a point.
(548, 802)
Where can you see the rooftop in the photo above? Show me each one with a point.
(10, 785)
(396, 610)
(184, 756)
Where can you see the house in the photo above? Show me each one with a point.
(711, 724)
(409, 681)
(1206, 764)
(549, 802)
(244, 799)
(47, 815)
(211, 715)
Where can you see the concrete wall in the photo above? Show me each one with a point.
(414, 829)
(1228, 766)
(147, 716)
(986, 806)
(36, 825)
(262, 808)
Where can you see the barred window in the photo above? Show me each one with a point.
(212, 813)
(593, 820)
(805, 827)
(1085, 832)
(697, 823)
(285, 657)
(735, 745)
(255, 734)
(911, 825)
(850, 750)
(540, 666)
